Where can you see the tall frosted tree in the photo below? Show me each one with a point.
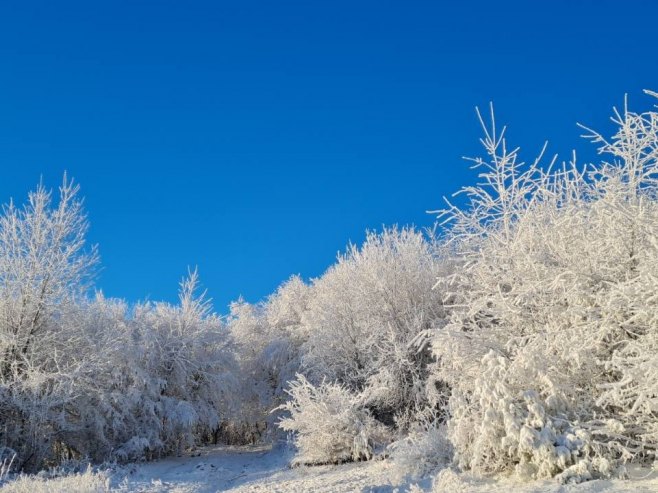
(44, 266)
(44, 263)
(553, 312)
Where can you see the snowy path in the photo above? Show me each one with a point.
(252, 469)
(212, 469)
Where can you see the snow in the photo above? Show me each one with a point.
(262, 469)
(218, 468)
(250, 469)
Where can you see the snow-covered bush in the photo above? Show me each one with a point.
(94, 378)
(553, 312)
(267, 338)
(184, 352)
(331, 424)
(169, 380)
(356, 332)
(356, 325)
(421, 453)
(85, 482)
(499, 426)
(363, 319)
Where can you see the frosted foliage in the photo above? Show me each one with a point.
(267, 339)
(86, 482)
(127, 384)
(285, 309)
(498, 427)
(365, 315)
(169, 380)
(420, 453)
(285, 312)
(43, 265)
(331, 424)
(634, 395)
(44, 268)
(549, 350)
(356, 325)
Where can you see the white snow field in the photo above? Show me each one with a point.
(264, 469)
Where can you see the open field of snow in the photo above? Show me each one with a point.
(265, 470)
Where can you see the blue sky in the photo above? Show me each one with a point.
(255, 139)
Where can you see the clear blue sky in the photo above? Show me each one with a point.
(255, 139)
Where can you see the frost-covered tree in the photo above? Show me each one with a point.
(285, 312)
(364, 317)
(96, 378)
(541, 351)
(44, 267)
(132, 383)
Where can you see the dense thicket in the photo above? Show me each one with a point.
(544, 345)
(522, 338)
(95, 378)
(350, 333)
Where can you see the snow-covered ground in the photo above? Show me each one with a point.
(251, 469)
(261, 469)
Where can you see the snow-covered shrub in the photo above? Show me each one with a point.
(94, 378)
(184, 352)
(267, 338)
(356, 325)
(420, 453)
(363, 319)
(499, 426)
(171, 381)
(88, 481)
(450, 481)
(331, 424)
(553, 311)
